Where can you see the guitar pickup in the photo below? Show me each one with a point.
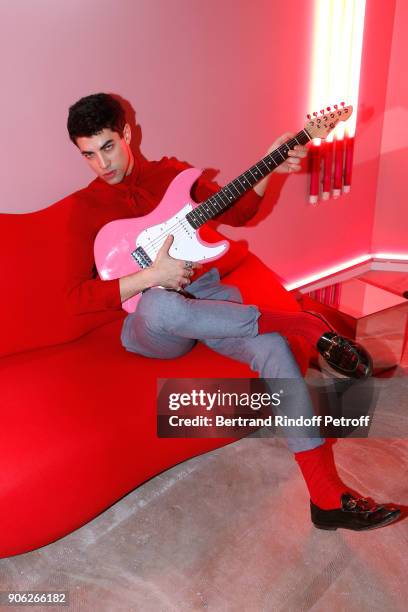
(141, 257)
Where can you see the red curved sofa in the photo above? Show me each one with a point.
(78, 412)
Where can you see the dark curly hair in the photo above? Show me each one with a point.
(92, 114)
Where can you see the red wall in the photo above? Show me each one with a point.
(391, 212)
(297, 239)
(212, 82)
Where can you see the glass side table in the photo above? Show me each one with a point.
(369, 308)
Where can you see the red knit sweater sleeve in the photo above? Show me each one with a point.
(86, 292)
(95, 295)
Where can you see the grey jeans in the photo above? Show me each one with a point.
(167, 325)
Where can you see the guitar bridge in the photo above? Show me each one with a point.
(141, 257)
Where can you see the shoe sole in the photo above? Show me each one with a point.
(390, 519)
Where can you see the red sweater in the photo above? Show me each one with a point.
(138, 194)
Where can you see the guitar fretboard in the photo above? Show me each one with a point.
(229, 194)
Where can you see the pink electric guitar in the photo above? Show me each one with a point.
(129, 245)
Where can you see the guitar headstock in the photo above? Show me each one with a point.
(321, 124)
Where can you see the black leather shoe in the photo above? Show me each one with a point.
(344, 355)
(357, 513)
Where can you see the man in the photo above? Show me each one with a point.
(167, 324)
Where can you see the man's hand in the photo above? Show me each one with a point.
(165, 271)
(170, 272)
(292, 164)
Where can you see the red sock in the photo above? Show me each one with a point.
(298, 323)
(319, 471)
(329, 456)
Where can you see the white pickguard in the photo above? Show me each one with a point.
(186, 243)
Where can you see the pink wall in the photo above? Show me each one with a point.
(391, 215)
(201, 76)
(212, 82)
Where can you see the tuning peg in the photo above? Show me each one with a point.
(342, 103)
(329, 108)
(322, 111)
(309, 116)
(314, 114)
(335, 106)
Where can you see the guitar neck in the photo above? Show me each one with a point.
(229, 194)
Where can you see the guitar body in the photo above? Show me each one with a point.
(117, 240)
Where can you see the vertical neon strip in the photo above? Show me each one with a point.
(336, 56)
(338, 166)
(355, 60)
(321, 48)
(348, 163)
(336, 59)
(328, 169)
(314, 173)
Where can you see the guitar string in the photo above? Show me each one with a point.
(158, 241)
(175, 230)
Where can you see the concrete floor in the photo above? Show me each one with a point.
(230, 531)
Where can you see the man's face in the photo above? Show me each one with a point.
(108, 154)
